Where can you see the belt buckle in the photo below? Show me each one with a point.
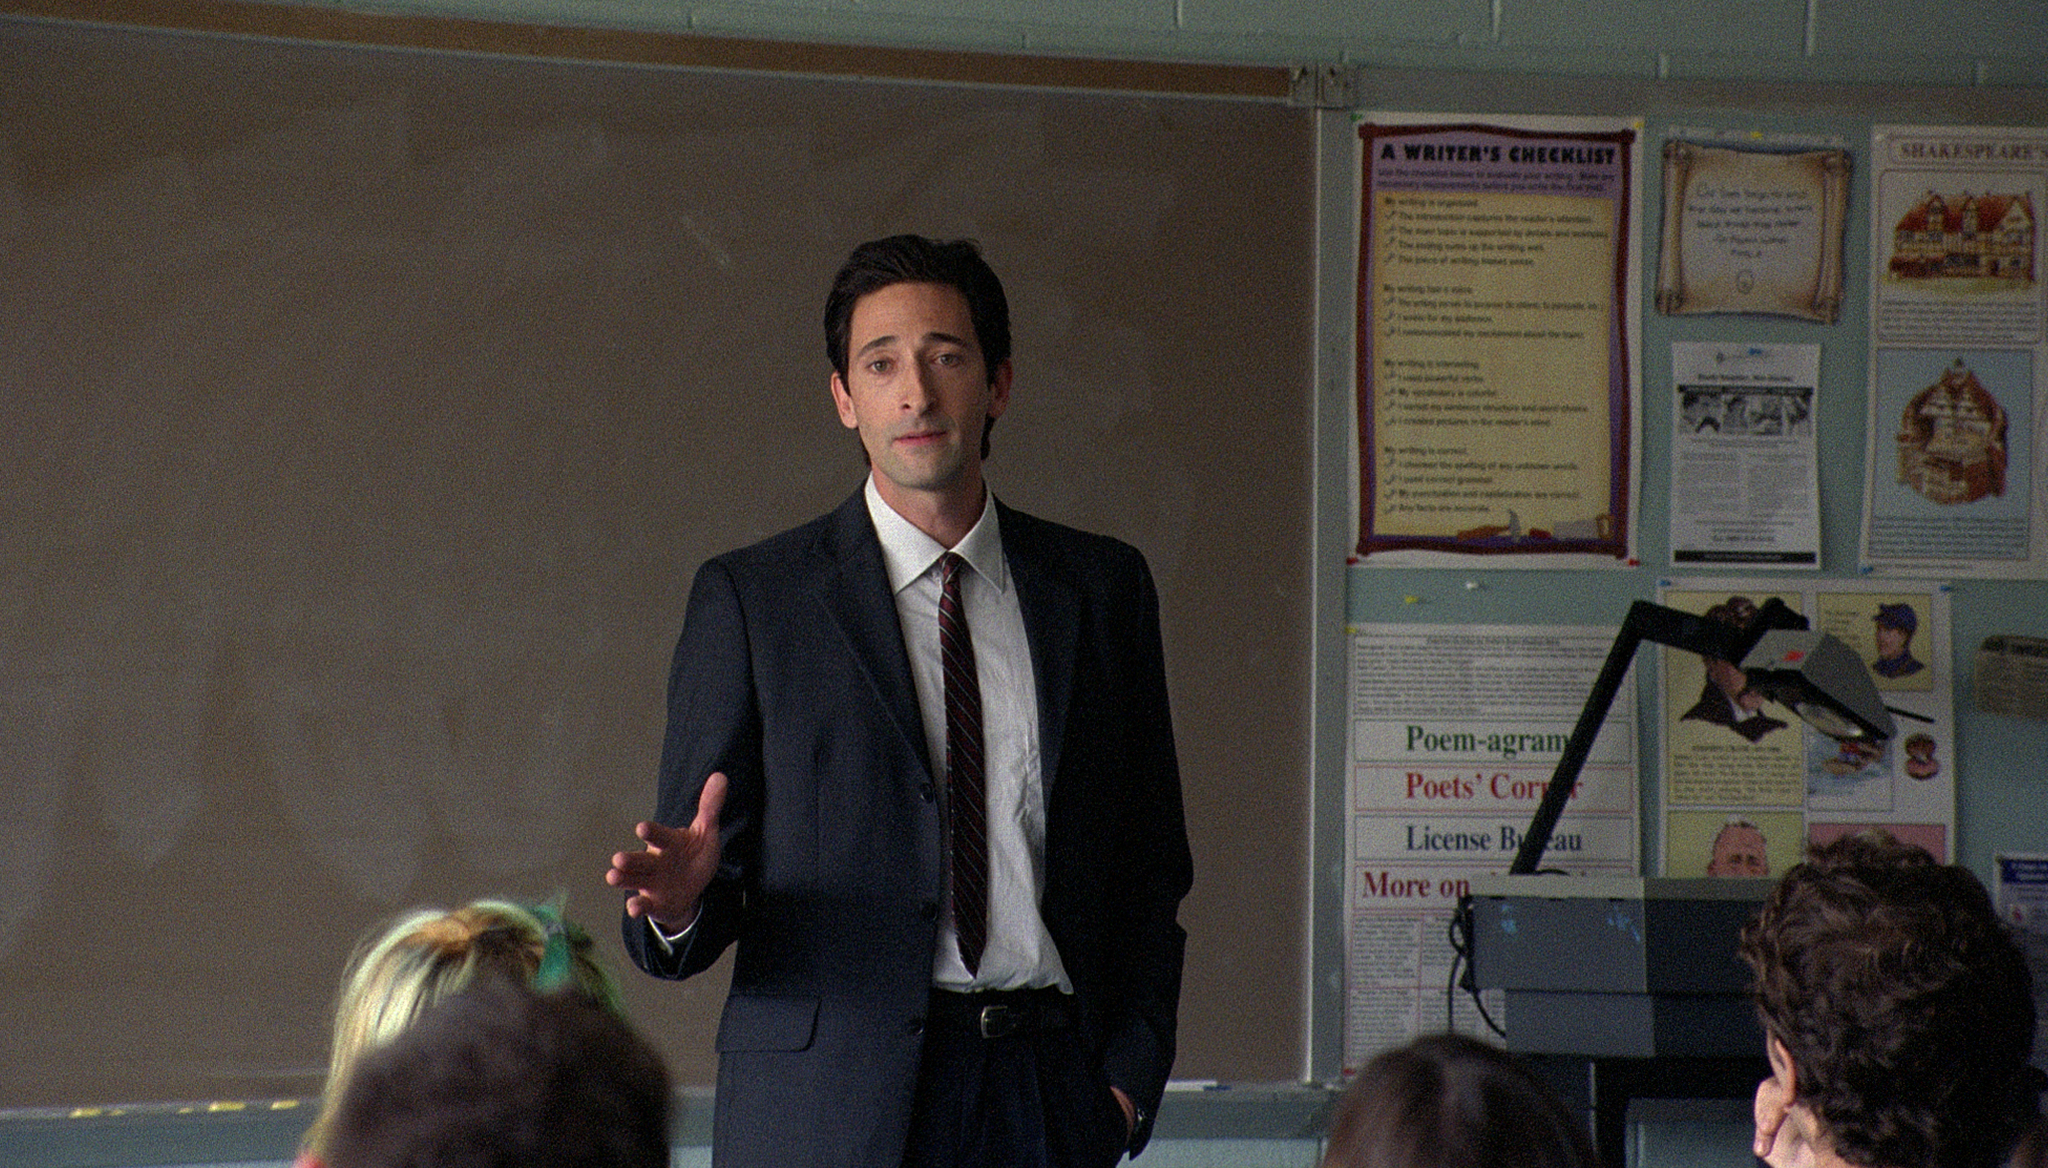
(999, 1021)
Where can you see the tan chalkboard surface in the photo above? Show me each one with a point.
(365, 413)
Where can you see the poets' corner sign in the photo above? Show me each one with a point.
(1496, 341)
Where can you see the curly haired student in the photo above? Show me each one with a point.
(1898, 1015)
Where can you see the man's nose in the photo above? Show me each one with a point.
(918, 394)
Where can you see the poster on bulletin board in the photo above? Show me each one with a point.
(1497, 334)
(1454, 735)
(1959, 353)
(1747, 785)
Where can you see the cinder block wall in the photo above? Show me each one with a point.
(1884, 42)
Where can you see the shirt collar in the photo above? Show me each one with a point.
(908, 553)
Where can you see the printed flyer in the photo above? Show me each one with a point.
(2021, 895)
(1455, 733)
(1745, 469)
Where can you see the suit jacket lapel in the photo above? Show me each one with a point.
(854, 589)
(1050, 603)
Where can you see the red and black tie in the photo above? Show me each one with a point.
(966, 794)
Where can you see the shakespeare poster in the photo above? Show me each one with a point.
(1497, 341)
(1959, 354)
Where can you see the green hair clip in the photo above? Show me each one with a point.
(555, 972)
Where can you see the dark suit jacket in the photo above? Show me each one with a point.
(791, 677)
(1713, 707)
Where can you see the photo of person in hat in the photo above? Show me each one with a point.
(1896, 624)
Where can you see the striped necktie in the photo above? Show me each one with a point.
(966, 795)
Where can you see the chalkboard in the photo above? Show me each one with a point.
(366, 413)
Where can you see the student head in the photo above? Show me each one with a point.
(913, 259)
(1739, 851)
(501, 1076)
(428, 954)
(1447, 1101)
(1897, 1012)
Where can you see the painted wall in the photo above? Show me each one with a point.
(1957, 42)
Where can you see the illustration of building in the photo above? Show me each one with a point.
(1966, 235)
(1952, 439)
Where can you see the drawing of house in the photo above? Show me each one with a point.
(1966, 235)
(1952, 439)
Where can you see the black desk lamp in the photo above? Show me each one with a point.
(1812, 674)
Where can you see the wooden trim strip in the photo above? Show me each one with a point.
(305, 22)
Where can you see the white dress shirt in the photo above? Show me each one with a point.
(1020, 952)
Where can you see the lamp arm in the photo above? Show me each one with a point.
(1578, 746)
(1645, 622)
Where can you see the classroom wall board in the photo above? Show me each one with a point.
(2001, 787)
(365, 413)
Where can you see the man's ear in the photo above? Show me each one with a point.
(842, 401)
(1774, 1099)
(999, 389)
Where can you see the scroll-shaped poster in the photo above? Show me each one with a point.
(1753, 231)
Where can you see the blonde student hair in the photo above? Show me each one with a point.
(427, 954)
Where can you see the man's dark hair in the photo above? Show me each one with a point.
(1905, 1006)
(913, 259)
(501, 1076)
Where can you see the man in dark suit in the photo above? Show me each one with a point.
(901, 996)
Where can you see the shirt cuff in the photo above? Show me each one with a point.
(670, 942)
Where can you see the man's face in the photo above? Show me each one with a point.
(1891, 642)
(1739, 851)
(918, 391)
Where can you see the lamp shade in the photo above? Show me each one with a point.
(1820, 678)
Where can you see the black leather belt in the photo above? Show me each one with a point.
(1000, 1013)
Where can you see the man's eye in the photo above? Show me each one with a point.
(948, 358)
(879, 365)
